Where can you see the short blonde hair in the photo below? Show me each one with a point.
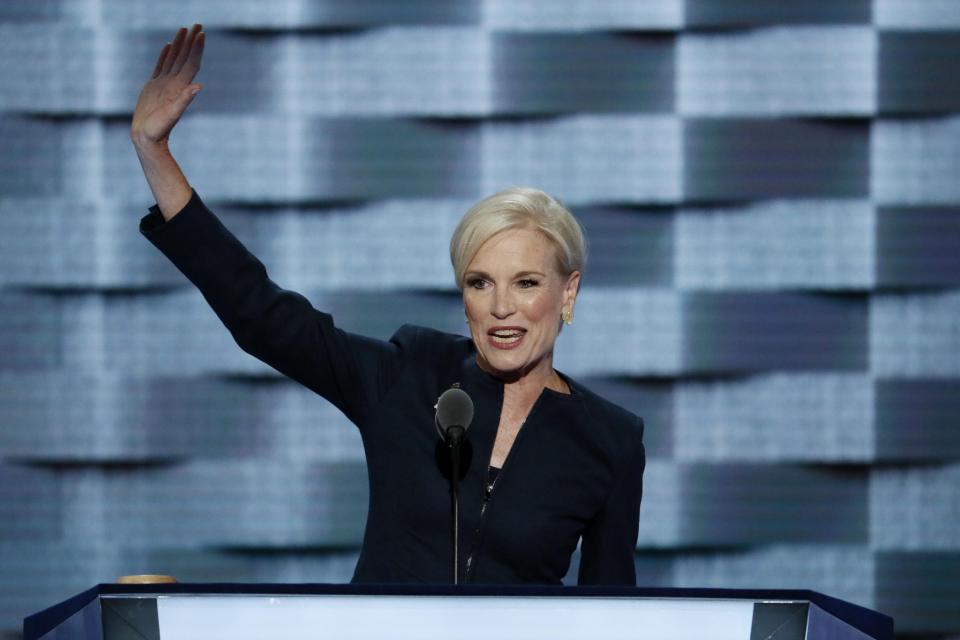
(513, 208)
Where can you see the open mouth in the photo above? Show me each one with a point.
(506, 338)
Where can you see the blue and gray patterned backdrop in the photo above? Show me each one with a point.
(772, 196)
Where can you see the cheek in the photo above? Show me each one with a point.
(470, 307)
(473, 310)
(542, 308)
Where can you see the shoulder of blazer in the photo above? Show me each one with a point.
(423, 343)
(619, 429)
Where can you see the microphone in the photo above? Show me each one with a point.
(454, 415)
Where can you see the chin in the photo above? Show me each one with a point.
(507, 366)
(502, 364)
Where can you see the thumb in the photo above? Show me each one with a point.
(189, 92)
(178, 105)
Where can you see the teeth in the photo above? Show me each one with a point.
(507, 336)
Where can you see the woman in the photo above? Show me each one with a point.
(552, 461)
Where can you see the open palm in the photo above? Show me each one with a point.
(170, 89)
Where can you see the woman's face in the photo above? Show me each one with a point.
(514, 296)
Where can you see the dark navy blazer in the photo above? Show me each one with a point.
(575, 469)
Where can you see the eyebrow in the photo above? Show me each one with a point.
(528, 272)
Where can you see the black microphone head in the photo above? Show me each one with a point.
(454, 408)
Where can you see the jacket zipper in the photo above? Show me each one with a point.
(496, 484)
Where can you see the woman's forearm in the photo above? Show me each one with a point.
(167, 182)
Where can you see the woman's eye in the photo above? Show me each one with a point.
(526, 283)
(477, 283)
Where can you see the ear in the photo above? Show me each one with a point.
(570, 290)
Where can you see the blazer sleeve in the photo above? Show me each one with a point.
(609, 541)
(277, 326)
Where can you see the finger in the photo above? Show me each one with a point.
(159, 66)
(174, 49)
(184, 52)
(190, 69)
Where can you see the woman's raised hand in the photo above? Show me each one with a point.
(169, 90)
(162, 101)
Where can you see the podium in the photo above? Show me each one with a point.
(469, 612)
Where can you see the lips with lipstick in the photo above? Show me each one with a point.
(506, 337)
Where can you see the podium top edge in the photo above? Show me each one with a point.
(871, 622)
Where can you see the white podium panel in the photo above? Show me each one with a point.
(450, 618)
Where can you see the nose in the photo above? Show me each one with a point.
(502, 305)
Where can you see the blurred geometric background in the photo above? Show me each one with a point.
(771, 192)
